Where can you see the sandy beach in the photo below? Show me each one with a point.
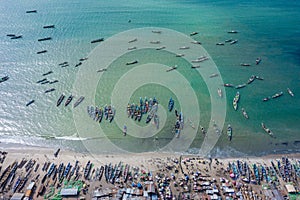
(173, 176)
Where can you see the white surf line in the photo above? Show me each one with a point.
(115, 46)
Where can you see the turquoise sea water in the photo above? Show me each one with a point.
(267, 29)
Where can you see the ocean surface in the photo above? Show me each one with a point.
(266, 29)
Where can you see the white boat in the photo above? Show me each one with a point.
(257, 61)
(179, 55)
(184, 47)
(240, 86)
(213, 75)
(233, 42)
(290, 92)
(160, 48)
(132, 48)
(196, 42)
(245, 113)
(220, 92)
(277, 95)
(236, 100)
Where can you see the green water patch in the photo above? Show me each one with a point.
(118, 68)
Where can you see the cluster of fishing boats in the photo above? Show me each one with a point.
(97, 113)
(251, 174)
(69, 99)
(145, 106)
(258, 173)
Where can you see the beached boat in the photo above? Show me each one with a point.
(179, 55)
(213, 75)
(97, 40)
(267, 130)
(229, 132)
(245, 113)
(69, 100)
(133, 40)
(78, 64)
(171, 68)
(45, 82)
(61, 98)
(156, 121)
(258, 60)
(220, 92)
(83, 59)
(132, 62)
(52, 82)
(40, 52)
(156, 31)
(236, 100)
(16, 37)
(132, 48)
(49, 26)
(160, 48)
(124, 130)
(78, 101)
(47, 73)
(171, 104)
(233, 42)
(31, 11)
(44, 39)
(240, 86)
(30, 102)
(50, 90)
(5, 78)
(193, 33)
(277, 95)
(102, 70)
(251, 79)
(42, 80)
(290, 92)
(200, 59)
(155, 42)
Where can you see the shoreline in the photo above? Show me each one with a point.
(157, 167)
(13, 147)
